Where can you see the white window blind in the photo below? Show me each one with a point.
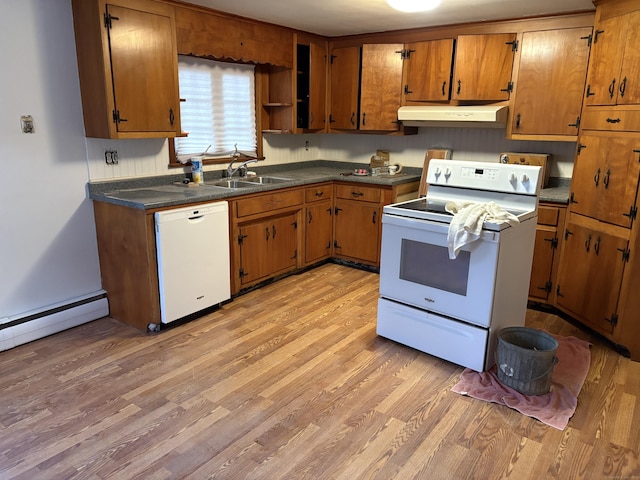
(219, 109)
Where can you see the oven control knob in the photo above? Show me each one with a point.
(447, 173)
(525, 178)
(513, 178)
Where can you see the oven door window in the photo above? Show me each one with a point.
(429, 265)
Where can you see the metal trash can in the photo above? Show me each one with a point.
(525, 358)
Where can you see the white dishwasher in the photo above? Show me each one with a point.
(192, 246)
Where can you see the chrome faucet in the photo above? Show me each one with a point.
(242, 167)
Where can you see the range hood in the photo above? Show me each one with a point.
(485, 116)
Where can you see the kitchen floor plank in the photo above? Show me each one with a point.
(291, 381)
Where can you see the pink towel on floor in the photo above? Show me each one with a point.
(554, 408)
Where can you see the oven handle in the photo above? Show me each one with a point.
(429, 226)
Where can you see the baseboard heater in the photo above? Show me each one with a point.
(40, 323)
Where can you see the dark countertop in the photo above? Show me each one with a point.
(160, 191)
(557, 191)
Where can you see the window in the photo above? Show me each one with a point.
(219, 108)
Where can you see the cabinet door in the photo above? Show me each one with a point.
(551, 79)
(282, 243)
(606, 58)
(605, 178)
(483, 66)
(428, 71)
(357, 231)
(144, 85)
(317, 85)
(629, 88)
(345, 82)
(590, 275)
(381, 87)
(319, 231)
(254, 251)
(543, 253)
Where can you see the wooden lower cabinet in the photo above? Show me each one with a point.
(357, 231)
(546, 252)
(591, 271)
(267, 247)
(318, 223)
(265, 236)
(357, 220)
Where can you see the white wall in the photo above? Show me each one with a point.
(48, 250)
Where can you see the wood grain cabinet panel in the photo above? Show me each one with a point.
(345, 84)
(546, 253)
(550, 82)
(614, 72)
(128, 77)
(427, 71)
(483, 66)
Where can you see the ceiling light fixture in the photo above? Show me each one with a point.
(413, 5)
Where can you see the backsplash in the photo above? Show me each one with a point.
(150, 157)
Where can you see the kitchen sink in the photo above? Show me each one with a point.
(231, 183)
(266, 179)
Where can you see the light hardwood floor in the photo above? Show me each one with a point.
(291, 382)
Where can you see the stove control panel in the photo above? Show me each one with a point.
(495, 177)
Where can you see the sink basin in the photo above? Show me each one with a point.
(266, 179)
(231, 183)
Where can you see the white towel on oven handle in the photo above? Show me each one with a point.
(467, 221)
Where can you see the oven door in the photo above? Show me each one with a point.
(415, 269)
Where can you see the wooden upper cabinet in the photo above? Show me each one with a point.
(311, 82)
(427, 71)
(483, 66)
(550, 83)
(605, 177)
(614, 72)
(317, 86)
(128, 77)
(380, 86)
(345, 82)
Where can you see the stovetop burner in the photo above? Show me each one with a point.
(424, 205)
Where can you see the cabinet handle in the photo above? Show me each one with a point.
(274, 231)
(589, 92)
(596, 246)
(356, 194)
(353, 122)
(595, 38)
(459, 87)
(310, 217)
(622, 86)
(444, 84)
(319, 194)
(605, 180)
(336, 210)
(364, 119)
(267, 232)
(375, 215)
(587, 244)
(172, 117)
(406, 90)
(613, 120)
(518, 117)
(612, 88)
(596, 178)
(576, 125)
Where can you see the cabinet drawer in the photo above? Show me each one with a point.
(269, 202)
(315, 194)
(611, 119)
(548, 216)
(360, 193)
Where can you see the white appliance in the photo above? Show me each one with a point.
(484, 116)
(192, 246)
(453, 309)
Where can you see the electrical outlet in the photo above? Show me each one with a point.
(26, 123)
(111, 157)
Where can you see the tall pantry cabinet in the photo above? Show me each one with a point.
(600, 266)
